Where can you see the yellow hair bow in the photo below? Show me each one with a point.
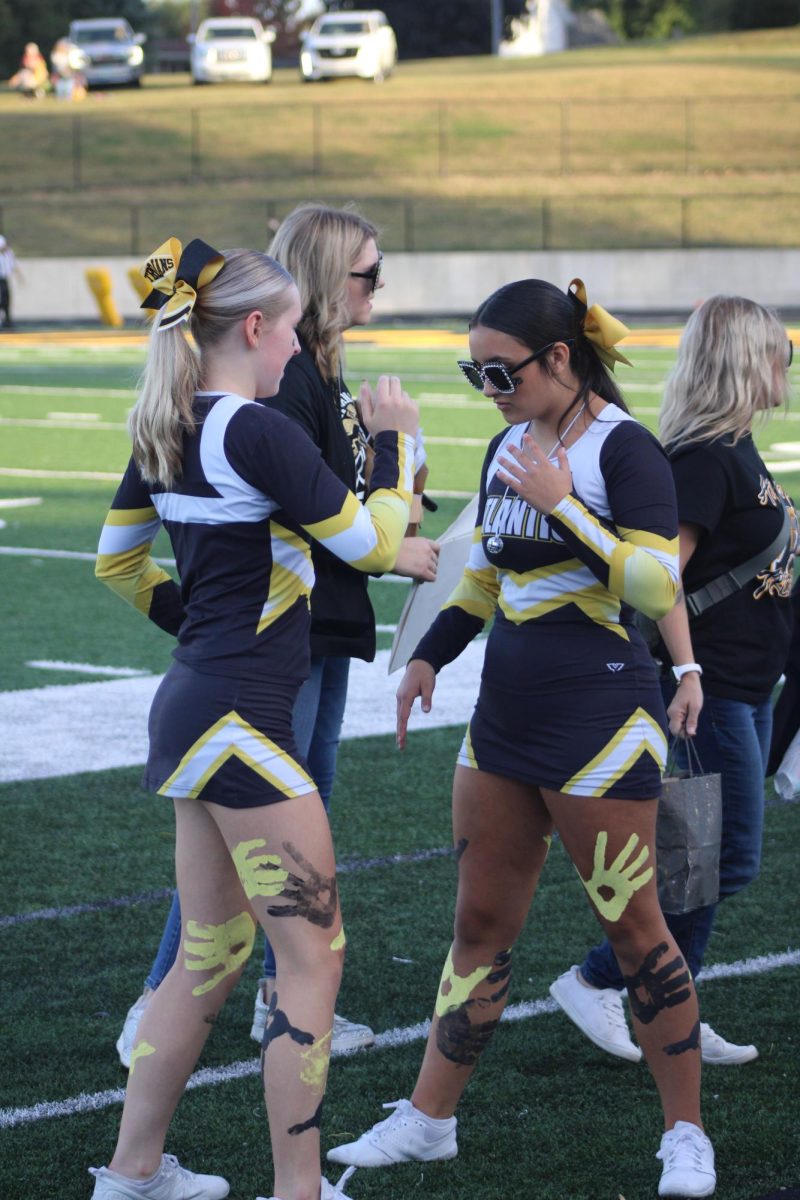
(602, 330)
(177, 275)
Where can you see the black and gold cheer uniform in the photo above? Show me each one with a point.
(253, 492)
(569, 698)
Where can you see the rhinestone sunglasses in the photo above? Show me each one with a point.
(496, 374)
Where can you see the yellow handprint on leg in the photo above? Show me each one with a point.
(226, 946)
(617, 878)
(261, 874)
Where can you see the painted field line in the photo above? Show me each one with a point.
(31, 389)
(10, 1118)
(73, 416)
(455, 441)
(20, 501)
(99, 726)
(48, 664)
(348, 866)
(78, 555)
(31, 473)
(47, 423)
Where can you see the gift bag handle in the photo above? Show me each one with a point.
(693, 763)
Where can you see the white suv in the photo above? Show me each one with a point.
(232, 48)
(110, 51)
(349, 43)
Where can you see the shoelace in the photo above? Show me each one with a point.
(612, 1007)
(680, 1143)
(382, 1125)
(337, 1191)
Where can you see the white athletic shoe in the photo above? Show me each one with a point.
(347, 1035)
(170, 1182)
(598, 1012)
(715, 1050)
(688, 1158)
(127, 1039)
(408, 1135)
(328, 1191)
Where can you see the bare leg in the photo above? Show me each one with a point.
(612, 845)
(501, 831)
(234, 865)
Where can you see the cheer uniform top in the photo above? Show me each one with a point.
(253, 492)
(569, 697)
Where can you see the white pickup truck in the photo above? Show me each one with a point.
(111, 51)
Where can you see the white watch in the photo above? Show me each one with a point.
(685, 669)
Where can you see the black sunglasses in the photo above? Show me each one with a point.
(791, 355)
(373, 274)
(500, 377)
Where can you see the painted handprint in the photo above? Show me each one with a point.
(611, 888)
(226, 947)
(261, 874)
(313, 896)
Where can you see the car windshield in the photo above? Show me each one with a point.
(107, 33)
(228, 31)
(331, 28)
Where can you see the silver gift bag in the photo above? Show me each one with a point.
(688, 835)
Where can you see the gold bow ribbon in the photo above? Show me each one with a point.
(602, 330)
(177, 275)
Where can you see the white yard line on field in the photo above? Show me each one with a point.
(84, 426)
(389, 1039)
(100, 726)
(20, 501)
(30, 473)
(46, 664)
(44, 390)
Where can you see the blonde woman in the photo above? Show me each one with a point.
(333, 255)
(241, 492)
(731, 373)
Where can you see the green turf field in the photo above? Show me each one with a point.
(548, 1117)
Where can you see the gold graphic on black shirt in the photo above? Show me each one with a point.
(777, 579)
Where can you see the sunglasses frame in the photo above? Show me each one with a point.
(373, 275)
(791, 354)
(507, 373)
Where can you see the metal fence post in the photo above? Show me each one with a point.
(194, 144)
(134, 215)
(316, 140)
(564, 140)
(442, 139)
(685, 230)
(687, 136)
(545, 223)
(76, 150)
(408, 224)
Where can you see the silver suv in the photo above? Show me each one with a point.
(349, 43)
(112, 52)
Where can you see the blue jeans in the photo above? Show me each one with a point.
(733, 739)
(317, 720)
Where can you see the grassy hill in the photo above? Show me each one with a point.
(692, 141)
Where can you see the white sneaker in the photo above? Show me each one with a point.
(347, 1035)
(327, 1190)
(127, 1039)
(688, 1158)
(597, 1012)
(408, 1135)
(170, 1182)
(715, 1050)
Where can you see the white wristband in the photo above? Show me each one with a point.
(685, 669)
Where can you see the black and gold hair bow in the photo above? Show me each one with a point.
(177, 275)
(602, 330)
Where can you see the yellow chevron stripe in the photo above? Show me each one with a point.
(656, 748)
(130, 516)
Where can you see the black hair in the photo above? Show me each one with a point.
(537, 314)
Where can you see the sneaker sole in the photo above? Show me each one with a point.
(609, 1047)
(389, 1162)
(729, 1060)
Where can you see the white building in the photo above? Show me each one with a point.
(543, 30)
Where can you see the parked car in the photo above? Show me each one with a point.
(232, 48)
(349, 43)
(112, 52)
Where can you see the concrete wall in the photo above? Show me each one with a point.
(624, 281)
